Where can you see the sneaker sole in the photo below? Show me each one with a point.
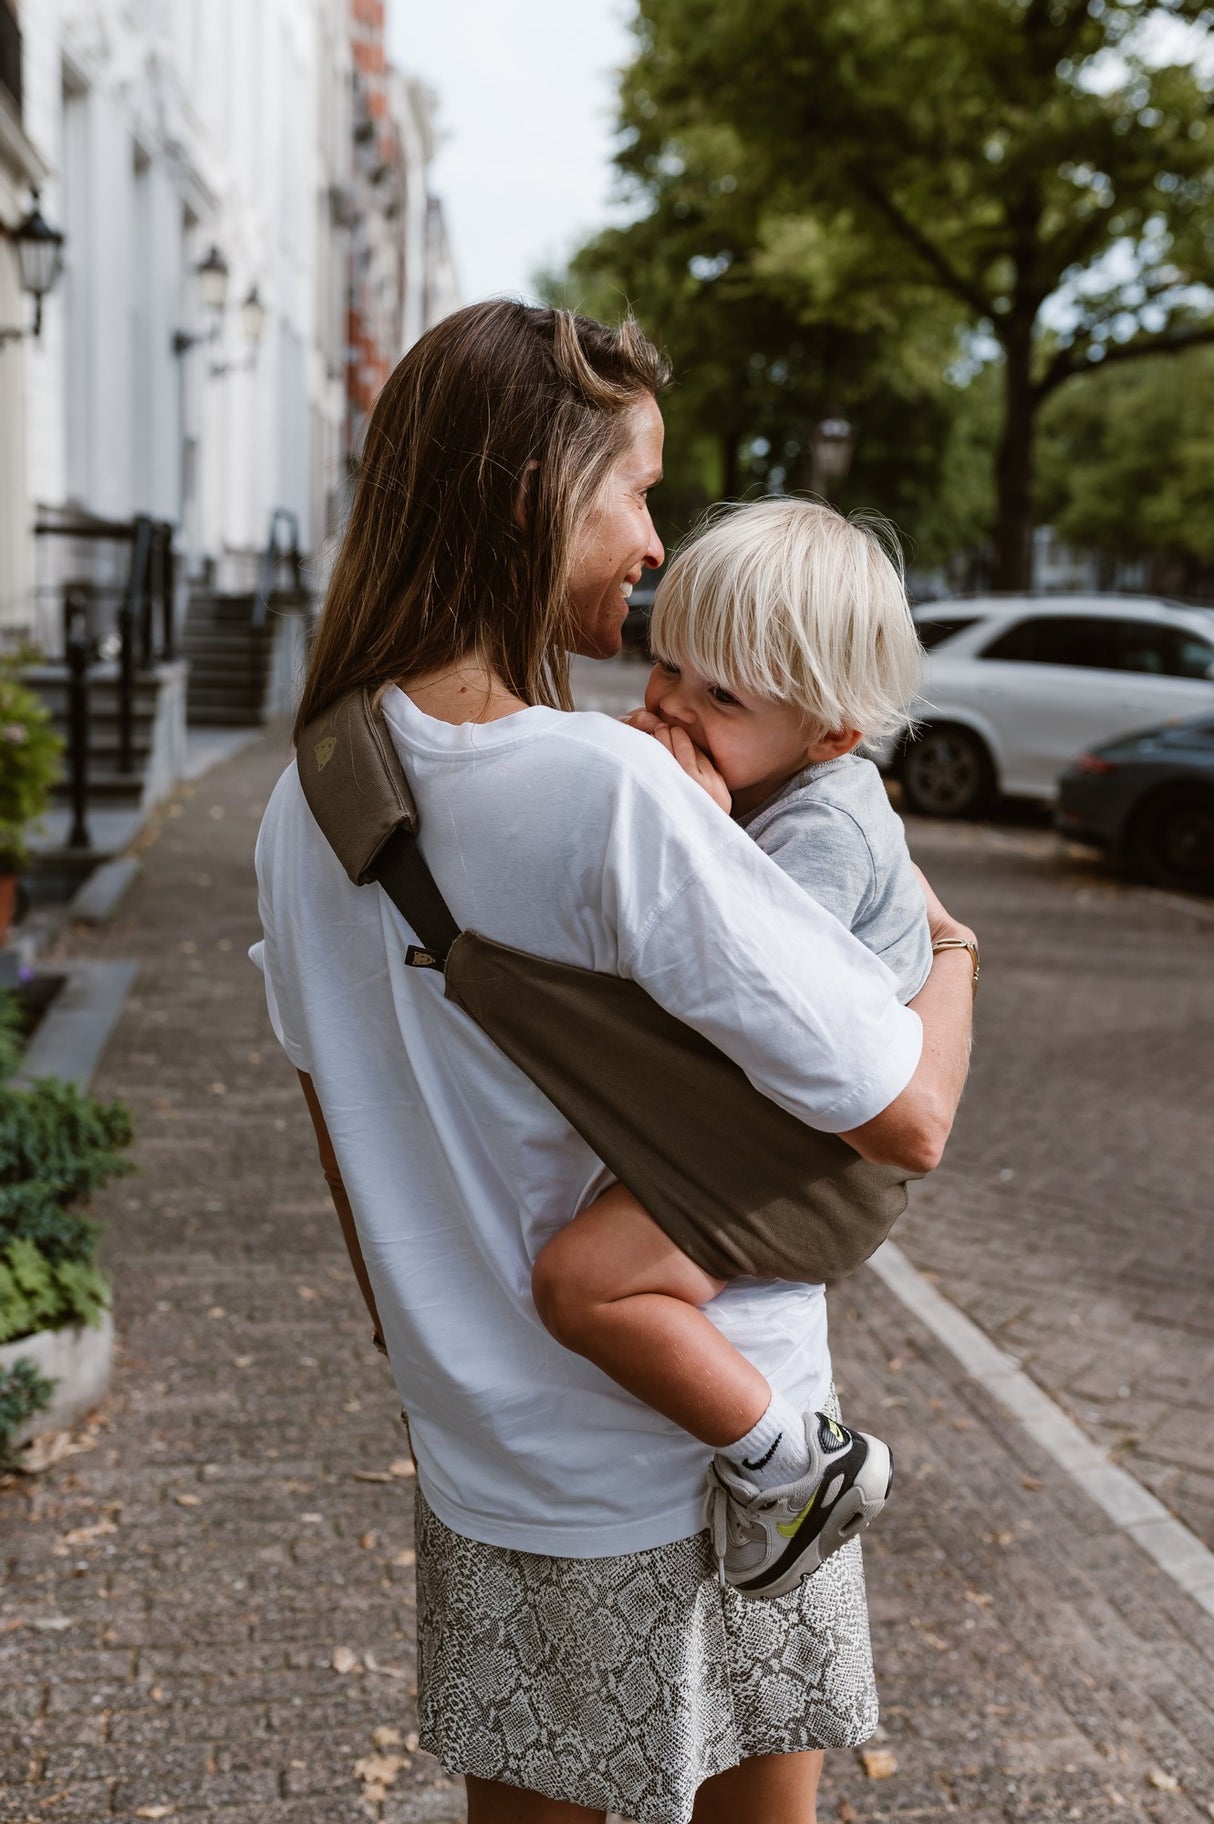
(848, 1518)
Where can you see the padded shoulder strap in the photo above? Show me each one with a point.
(359, 796)
(353, 783)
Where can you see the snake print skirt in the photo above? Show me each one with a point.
(623, 1683)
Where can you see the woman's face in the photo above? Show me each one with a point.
(617, 541)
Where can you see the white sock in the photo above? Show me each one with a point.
(774, 1450)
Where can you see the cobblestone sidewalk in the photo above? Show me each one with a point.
(208, 1614)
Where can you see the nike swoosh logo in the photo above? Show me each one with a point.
(789, 1528)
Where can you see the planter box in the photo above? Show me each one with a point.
(79, 1360)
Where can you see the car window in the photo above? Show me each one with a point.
(936, 627)
(1060, 639)
(1166, 652)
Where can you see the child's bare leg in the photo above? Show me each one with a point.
(613, 1287)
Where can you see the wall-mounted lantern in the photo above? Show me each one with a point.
(212, 274)
(253, 322)
(39, 260)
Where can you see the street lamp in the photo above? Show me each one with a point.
(832, 444)
(252, 321)
(213, 294)
(213, 281)
(253, 317)
(39, 259)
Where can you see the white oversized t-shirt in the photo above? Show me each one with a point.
(582, 840)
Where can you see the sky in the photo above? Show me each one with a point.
(526, 108)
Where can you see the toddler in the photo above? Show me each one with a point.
(782, 639)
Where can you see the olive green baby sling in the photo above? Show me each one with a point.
(738, 1184)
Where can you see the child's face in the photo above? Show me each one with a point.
(756, 747)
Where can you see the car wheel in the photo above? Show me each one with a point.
(947, 772)
(1172, 839)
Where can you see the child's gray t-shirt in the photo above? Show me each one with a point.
(833, 830)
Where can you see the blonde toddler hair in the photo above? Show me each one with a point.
(791, 602)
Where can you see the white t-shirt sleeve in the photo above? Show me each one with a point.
(740, 953)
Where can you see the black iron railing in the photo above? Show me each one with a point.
(118, 610)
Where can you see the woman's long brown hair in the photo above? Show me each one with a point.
(498, 404)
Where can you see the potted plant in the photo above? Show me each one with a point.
(30, 762)
(57, 1145)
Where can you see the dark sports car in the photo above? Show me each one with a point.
(1149, 801)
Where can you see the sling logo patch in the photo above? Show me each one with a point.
(417, 958)
(325, 751)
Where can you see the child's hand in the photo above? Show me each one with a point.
(644, 720)
(696, 765)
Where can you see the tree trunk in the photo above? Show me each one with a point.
(1014, 466)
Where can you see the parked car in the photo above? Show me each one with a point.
(1148, 801)
(1016, 686)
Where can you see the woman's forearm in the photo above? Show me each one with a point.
(912, 1131)
(337, 1191)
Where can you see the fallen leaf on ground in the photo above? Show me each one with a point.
(1032, 1483)
(369, 1541)
(373, 1665)
(188, 1500)
(51, 1624)
(404, 1559)
(980, 1598)
(154, 1811)
(403, 1466)
(344, 1660)
(371, 1475)
(1163, 1782)
(307, 1292)
(385, 1737)
(411, 1740)
(381, 1769)
(217, 1311)
(878, 1763)
(846, 1812)
(81, 1535)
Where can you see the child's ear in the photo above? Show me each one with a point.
(830, 746)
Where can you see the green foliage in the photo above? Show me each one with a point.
(1126, 461)
(57, 1146)
(37, 1293)
(23, 1392)
(30, 763)
(856, 182)
(10, 1035)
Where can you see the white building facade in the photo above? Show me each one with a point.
(160, 130)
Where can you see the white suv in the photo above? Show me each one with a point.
(1017, 686)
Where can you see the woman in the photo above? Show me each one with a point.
(576, 1653)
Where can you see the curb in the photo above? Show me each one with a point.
(1134, 1511)
(77, 1027)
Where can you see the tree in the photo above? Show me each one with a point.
(1043, 168)
(770, 331)
(1126, 462)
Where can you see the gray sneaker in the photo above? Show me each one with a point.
(767, 1540)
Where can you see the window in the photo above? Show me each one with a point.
(1060, 639)
(1165, 652)
(934, 628)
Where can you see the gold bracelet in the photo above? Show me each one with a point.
(961, 943)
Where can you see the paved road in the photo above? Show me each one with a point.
(208, 1614)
